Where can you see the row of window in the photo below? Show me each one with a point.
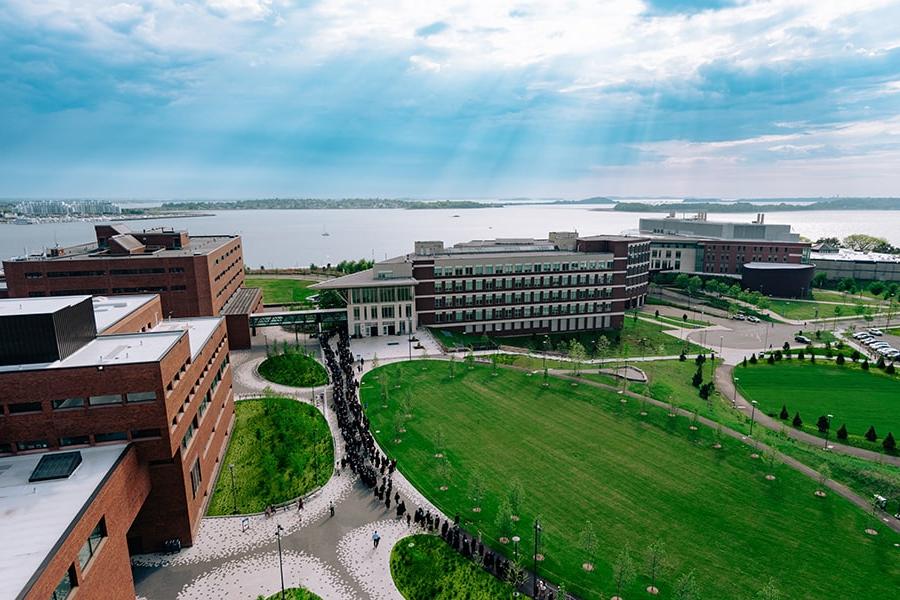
(510, 283)
(16, 408)
(588, 265)
(373, 295)
(552, 325)
(489, 314)
(228, 285)
(86, 553)
(82, 440)
(387, 312)
(523, 297)
(102, 273)
(144, 289)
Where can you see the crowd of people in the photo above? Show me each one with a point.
(376, 470)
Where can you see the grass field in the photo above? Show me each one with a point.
(627, 341)
(424, 567)
(280, 448)
(677, 322)
(583, 455)
(792, 309)
(855, 397)
(835, 296)
(292, 594)
(282, 291)
(293, 368)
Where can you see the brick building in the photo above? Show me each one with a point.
(78, 373)
(502, 287)
(195, 276)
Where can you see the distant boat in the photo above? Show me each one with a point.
(455, 216)
(324, 232)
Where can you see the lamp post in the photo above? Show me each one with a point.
(537, 546)
(734, 396)
(280, 565)
(752, 417)
(830, 417)
(516, 539)
(233, 490)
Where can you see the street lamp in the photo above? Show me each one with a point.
(752, 417)
(734, 396)
(516, 539)
(830, 417)
(233, 489)
(280, 565)
(537, 546)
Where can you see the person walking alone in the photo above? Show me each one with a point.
(331, 508)
(375, 539)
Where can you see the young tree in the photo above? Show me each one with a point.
(495, 362)
(890, 369)
(452, 364)
(601, 347)
(840, 359)
(577, 355)
(588, 542)
(443, 472)
(504, 520)
(515, 495)
(686, 588)
(744, 362)
(516, 573)
(871, 435)
(784, 413)
(470, 359)
(854, 356)
(865, 364)
(769, 591)
(375, 363)
(797, 422)
(655, 563)
(440, 439)
(889, 443)
(697, 379)
(753, 359)
(842, 432)
(623, 570)
(476, 489)
(880, 363)
(823, 424)
(824, 474)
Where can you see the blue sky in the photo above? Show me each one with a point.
(336, 98)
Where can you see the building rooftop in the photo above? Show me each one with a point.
(199, 246)
(110, 310)
(38, 306)
(778, 266)
(199, 330)
(855, 255)
(361, 279)
(242, 301)
(37, 515)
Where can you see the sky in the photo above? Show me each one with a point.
(165, 99)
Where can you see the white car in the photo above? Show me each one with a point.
(861, 334)
(877, 343)
(875, 331)
(886, 350)
(753, 319)
(893, 353)
(739, 317)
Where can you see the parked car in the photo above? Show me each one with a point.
(861, 334)
(875, 331)
(753, 319)
(886, 350)
(802, 339)
(894, 353)
(739, 317)
(878, 345)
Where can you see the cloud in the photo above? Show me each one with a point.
(669, 7)
(432, 29)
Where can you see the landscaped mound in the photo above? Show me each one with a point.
(425, 568)
(293, 368)
(573, 455)
(292, 594)
(280, 449)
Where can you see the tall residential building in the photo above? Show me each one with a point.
(80, 373)
(505, 287)
(195, 276)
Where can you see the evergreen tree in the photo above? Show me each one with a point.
(771, 359)
(822, 424)
(744, 363)
(871, 434)
(784, 413)
(854, 356)
(880, 363)
(889, 443)
(753, 359)
(801, 354)
(890, 370)
(865, 364)
(842, 432)
(697, 379)
(840, 359)
(797, 422)
(701, 358)
(682, 357)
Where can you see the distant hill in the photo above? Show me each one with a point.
(323, 203)
(783, 205)
(593, 200)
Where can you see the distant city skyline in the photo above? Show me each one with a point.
(270, 98)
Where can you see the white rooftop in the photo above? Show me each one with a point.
(35, 516)
(199, 330)
(110, 310)
(847, 254)
(37, 306)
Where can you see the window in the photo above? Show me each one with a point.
(195, 477)
(75, 440)
(105, 399)
(113, 436)
(24, 407)
(66, 585)
(140, 396)
(92, 544)
(140, 434)
(32, 445)
(67, 403)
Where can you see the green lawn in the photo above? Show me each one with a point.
(855, 397)
(293, 368)
(628, 340)
(292, 594)
(792, 309)
(282, 290)
(280, 449)
(582, 455)
(424, 567)
(835, 296)
(676, 321)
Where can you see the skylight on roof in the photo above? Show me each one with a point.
(55, 466)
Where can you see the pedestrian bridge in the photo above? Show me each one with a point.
(309, 320)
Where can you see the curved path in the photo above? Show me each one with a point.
(836, 487)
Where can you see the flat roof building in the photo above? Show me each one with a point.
(505, 287)
(699, 226)
(863, 266)
(195, 276)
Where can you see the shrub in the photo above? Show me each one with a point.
(842, 432)
(293, 368)
(784, 413)
(812, 357)
(778, 355)
(854, 356)
(753, 359)
(771, 359)
(697, 379)
(890, 370)
(797, 422)
(744, 363)
(822, 424)
(880, 363)
(865, 364)
(889, 443)
(840, 359)
(801, 355)
(871, 434)
(682, 357)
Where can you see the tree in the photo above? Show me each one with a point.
(588, 542)
(623, 569)
(655, 562)
(784, 414)
(769, 591)
(682, 357)
(753, 359)
(842, 432)
(694, 284)
(854, 356)
(880, 363)
(577, 355)
(504, 521)
(682, 280)
(514, 495)
(865, 243)
(771, 359)
(819, 279)
(706, 390)
(823, 424)
(476, 488)
(470, 358)
(686, 587)
(797, 422)
(824, 474)
(601, 347)
(452, 364)
(697, 379)
(865, 364)
(871, 434)
(889, 443)
(516, 573)
(331, 299)
(375, 362)
(440, 439)
(840, 359)
(701, 358)
(890, 369)
(443, 472)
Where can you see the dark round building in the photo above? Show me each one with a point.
(785, 280)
